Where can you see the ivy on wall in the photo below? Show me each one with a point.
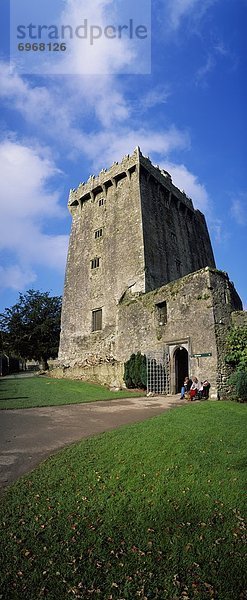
(236, 355)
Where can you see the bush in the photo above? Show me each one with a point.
(236, 355)
(129, 371)
(135, 371)
(238, 381)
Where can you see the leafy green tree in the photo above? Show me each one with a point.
(236, 355)
(31, 328)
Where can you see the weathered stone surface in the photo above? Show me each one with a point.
(150, 248)
(151, 235)
(199, 308)
(103, 373)
(239, 318)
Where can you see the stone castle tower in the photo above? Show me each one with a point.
(132, 231)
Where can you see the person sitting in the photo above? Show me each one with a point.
(200, 391)
(205, 389)
(186, 387)
(194, 388)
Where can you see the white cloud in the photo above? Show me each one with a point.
(157, 95)
(187, 181)
(205, 69)
(178, 10)
(57, 113)
(239, 209)
(26, 203)
(25, 175)
(220, 233)
(59, 116)
(218, 53)
(43, 107)
(16, 278)
(104, 56)
(107, 147)
(100, 96)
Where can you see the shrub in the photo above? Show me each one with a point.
(238, 381)
(135, 371)
(236, 355)
(129, 371)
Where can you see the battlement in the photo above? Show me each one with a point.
(163, 178)
(140, 271)
(118, 171)
(104, 180)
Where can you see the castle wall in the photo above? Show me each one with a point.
(132, 232)
(113, 210)
(199, 308)
(225, 302)
(140, 231)
(239, 318)
(198, 316)
(176, 239)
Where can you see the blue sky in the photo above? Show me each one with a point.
(188, 114)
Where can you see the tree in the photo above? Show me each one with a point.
(31, 328)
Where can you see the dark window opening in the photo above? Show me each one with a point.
(161, 313)
(101, 201)
(178, 266)
(98, 233)
(97, 319)
(95, 263)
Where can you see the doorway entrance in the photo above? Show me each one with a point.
(181, 367)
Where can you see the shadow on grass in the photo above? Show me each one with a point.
(15, 398)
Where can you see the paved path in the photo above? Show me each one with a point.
(28, 436)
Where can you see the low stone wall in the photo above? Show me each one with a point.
(110, 374)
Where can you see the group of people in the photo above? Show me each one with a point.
(195, 388)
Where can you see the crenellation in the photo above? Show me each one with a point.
(137, 244)
(104, 178)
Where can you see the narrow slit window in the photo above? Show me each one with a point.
(101, 202)
(98, 234)
(97, 319)
(178, 266)
(95, 263)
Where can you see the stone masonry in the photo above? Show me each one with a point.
(138, 248)
(198, 316)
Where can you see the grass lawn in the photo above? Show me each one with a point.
(153, 511)
(44, 391)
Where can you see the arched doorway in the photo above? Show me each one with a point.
(181, 367)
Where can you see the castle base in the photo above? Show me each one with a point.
(108, 374)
